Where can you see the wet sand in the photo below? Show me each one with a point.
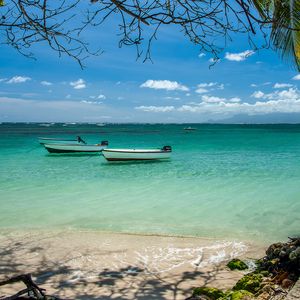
(98, 265)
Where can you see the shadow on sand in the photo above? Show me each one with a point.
(130, 282)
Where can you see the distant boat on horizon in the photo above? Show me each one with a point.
(189, 128)
(46, 124)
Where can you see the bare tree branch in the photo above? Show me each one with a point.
(61, 24)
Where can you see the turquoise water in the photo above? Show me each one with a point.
(240, 181)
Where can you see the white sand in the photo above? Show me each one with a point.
(97, 265)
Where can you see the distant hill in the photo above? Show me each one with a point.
(262, 119)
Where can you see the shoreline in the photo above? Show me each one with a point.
(255, 240)
(94, 265)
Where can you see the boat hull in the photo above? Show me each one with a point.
(132, 154)
(73, 148)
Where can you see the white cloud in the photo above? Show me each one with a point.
(98, 97)
(286, 101)
(78, 84)
(91, 102)
(201, 55)
(239, 56)
(205, 87)
(164, 85)
(279, 101)
(215, 99)
(201, 91)
(212, 99)
(261, 84)
(282, 85)
(18, 79)
(46, 83)
(297, 77)
(291, 93)
(235, 99)
(155, 108)
(258, 94)
(3, 79)
(172, 98)
(188, 108)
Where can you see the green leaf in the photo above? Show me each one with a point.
(285, 30)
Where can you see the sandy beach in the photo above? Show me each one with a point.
(99, 265)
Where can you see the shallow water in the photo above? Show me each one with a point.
(235, 181)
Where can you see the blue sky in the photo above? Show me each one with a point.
(178, 86)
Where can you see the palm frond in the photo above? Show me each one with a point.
(263, 7)
(285, 32)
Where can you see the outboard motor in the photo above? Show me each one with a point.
(167, 148)
(104, 143)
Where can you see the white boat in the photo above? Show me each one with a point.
(46, 124)
(43, 141)
(137, 154)
(75, 148)
(189, 128)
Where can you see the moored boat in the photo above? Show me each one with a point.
(189, 128)
(137, 154)
(76, 148)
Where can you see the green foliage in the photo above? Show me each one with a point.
(239, 295)
(250, 282)
(285, 18)
(236, 295)
(237, 264)
(2, 3)
(264, 273)
(212, 293)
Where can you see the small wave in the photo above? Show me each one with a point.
(155, 260)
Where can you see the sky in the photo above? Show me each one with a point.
(178, 86)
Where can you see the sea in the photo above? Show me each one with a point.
(222, 181)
